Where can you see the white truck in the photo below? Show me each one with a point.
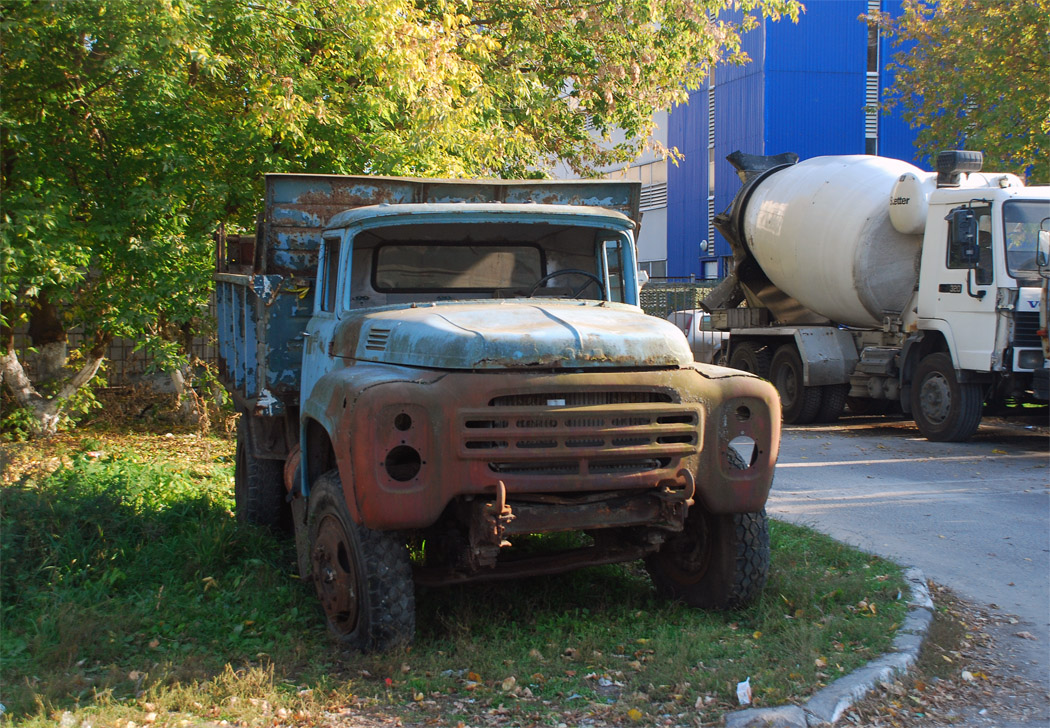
(870, 281)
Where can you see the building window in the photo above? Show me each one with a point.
(709, 269)
(655, 268)
(653, 177)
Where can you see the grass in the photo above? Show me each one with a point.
(128, 589)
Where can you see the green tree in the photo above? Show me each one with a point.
(974, 74)
(129, 128)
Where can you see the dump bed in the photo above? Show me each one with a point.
(264, 282)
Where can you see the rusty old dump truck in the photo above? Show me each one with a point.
(430, 371)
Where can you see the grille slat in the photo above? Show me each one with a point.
(1026, 324)
(582, 433)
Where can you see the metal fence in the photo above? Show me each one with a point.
(661, 296)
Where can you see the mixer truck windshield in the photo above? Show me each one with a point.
(1021, 220)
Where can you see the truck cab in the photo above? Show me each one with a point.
(979, 284)
(473, 370)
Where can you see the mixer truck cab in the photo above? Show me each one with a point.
(869, 281)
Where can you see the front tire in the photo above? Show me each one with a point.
(945, 410)
(363, 577)
(719, 561)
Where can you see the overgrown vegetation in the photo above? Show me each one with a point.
(129, 590)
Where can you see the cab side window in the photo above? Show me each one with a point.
(960, 257)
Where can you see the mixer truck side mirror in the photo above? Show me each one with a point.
(1042, 252)
(962, 237)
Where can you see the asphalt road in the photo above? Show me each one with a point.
(973, 516)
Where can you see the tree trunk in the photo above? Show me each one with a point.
(48, 335)
(46, 411)
(189, 408)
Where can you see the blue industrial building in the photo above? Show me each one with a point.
(811, 88)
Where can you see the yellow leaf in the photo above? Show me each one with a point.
(756, 634)
(634, 714)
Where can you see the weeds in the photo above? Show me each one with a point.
(128, 588)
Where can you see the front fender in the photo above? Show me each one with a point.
(330, 407)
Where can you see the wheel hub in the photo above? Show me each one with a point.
(936, 398)
(337, 577)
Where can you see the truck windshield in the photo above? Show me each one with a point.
(425, 267)
(1021, 221)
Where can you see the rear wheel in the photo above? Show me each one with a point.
(259, 494)
(717, 562)
(749, 357)
(944, 409)
(832, 402)
(363, 577)
(799, 403)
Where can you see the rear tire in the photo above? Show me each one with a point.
(799, 403)
(944, 409)
(259, 495)
(748, 357)
(832, 402)
(717, 562)
(363, 577)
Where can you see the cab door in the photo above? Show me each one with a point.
(317, 356)
(957, 283)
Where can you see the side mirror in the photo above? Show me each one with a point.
(1042, 251)
(963, 225)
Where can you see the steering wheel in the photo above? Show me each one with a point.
(569, 272)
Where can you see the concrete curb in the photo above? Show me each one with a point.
(829, 704)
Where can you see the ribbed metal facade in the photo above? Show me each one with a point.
(807, 90)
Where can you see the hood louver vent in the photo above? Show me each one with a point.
(377, 338)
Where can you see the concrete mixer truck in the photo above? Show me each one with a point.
(869, 281)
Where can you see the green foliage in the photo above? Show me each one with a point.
(974, 76)
(130, 128)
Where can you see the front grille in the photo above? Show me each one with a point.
(579, 433)
(579, 399)
(1026, 324)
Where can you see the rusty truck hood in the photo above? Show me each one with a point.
(512, 334)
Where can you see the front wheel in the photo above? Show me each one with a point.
(719, 561)
(945, 410)
(363, 577)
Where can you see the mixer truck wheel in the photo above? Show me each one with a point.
(944, 409)
(798, 402)
(748, 357)
(832, 402)
(258, 486)
(363, 577)
(719, 561)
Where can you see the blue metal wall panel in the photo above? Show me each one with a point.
(685, 184)
(829, 37)
(813, 117)
(816, 75)
(803, 92)
(896, 136)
